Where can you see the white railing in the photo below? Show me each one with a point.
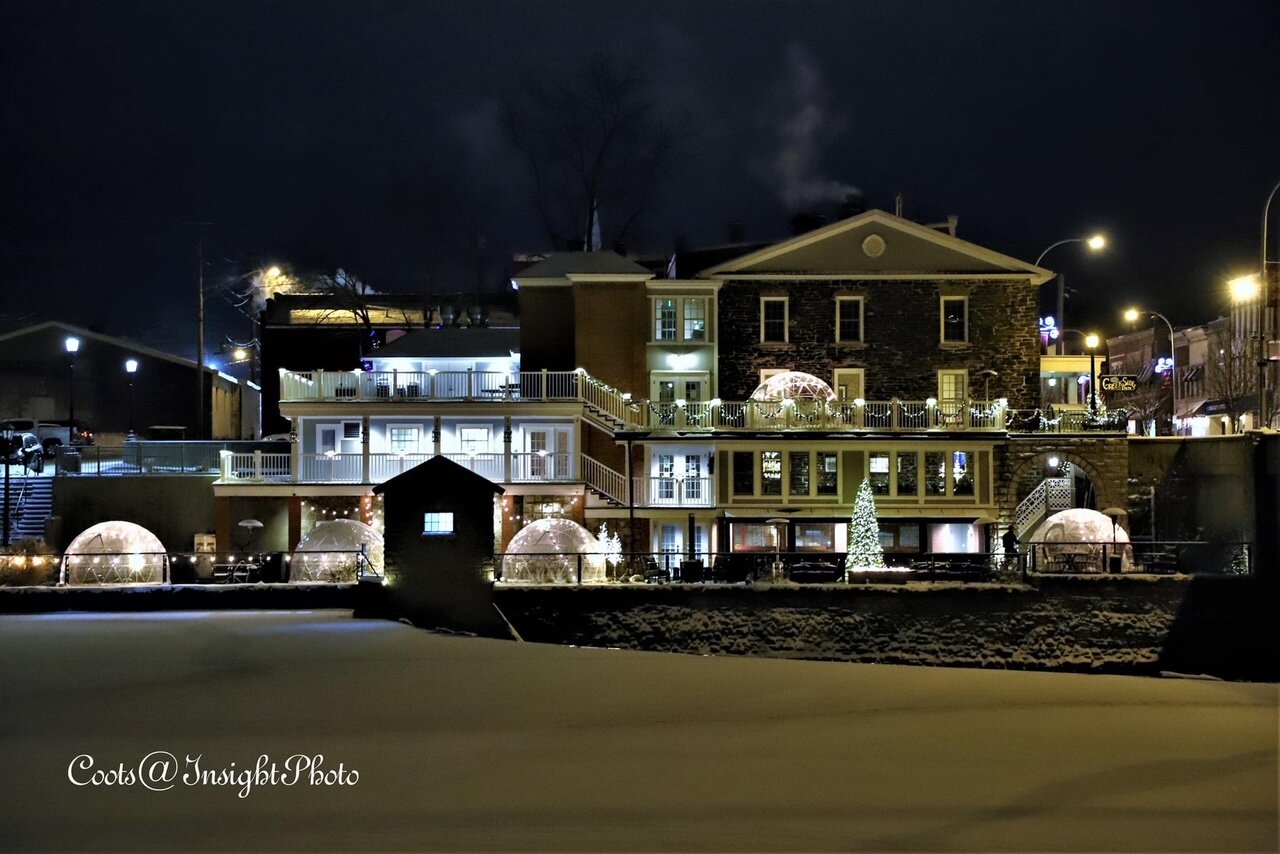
(485, 465)
(1050, 495)
(330, 468)
(540, 466)
(757, 415)
(604, 480)
(674, 492)
(256, 466)
(446, 385)
(386, 466)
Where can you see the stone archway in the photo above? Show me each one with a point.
(1104, 462)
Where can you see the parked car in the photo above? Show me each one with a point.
(50, 433)
(25, 449)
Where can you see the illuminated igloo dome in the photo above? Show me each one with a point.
(334, 551)
(793, 385)
(546, 552)
(1079, 539)
(115, 553)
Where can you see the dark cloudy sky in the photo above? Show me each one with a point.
(368, 135)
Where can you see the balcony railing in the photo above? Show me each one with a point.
(621, 412)
(349, 468)
(674, 492)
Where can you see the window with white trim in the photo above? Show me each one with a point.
(695, 319)
(665, 320)
(473, 439)
(849, 319)
(437, 524)
(404, 438)
(773, 320)
(954, 321)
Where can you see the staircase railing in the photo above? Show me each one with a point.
(604, 480)
(1050, 495)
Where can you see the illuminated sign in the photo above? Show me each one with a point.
(1119, 382)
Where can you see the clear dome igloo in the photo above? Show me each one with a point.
(793, 385)
(115, 553)
(332, 551)
(1077, 538)
(545, 552)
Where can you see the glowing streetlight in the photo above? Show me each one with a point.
(1091, 341)
(1095, 243)
(273, 272)
(72, 343)
(1245, 288)
(131, 368)
(1132, 315)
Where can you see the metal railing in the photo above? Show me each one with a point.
(158, 458)
(740, 568)
(436, 386)
(1141, 556)
(525, 467)
(103, 568)
(757, 415)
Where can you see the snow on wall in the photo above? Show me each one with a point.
(1099, 627)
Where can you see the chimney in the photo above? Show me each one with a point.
(952, 222)
(806, 222)
(737, 232)
(897, 204)
(852, 205)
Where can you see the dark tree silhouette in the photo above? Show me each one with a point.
(597, 147)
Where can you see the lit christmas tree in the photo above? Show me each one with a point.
(865, 551)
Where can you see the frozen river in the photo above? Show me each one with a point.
(475, 744)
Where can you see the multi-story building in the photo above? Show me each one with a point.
(736, 410)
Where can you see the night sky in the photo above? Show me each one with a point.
(368, 135)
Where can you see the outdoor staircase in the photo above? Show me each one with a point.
(30, 505)
(604, 481)
(1053, 494)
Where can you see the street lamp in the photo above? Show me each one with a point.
(1132, 315)
(1091, 341)
(131, 368)
(73, 346)
(1245, 289)
(1095, 243)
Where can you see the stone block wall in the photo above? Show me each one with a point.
(901, 352)
(1020, 466)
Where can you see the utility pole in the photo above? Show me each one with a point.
(199, 430)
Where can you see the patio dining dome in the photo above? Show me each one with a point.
(546, 552)
(333, 550)
(115, 553)
(1081, 533)
(793, 385)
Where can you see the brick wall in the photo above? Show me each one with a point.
(901, 353)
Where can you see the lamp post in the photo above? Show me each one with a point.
(1133, 314)
(1095, 243)
(1246, 289)
(72, 343)
(1270, 315)
(131, 368)
(1091, 341)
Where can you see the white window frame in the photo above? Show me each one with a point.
(438, 524)
(488, 444)
(964, 374)
(676, 318)
(765, 373)
(786, 319)
(703, 303)
(860, 373)
(840, 301)
(942, 318)
(391, 446)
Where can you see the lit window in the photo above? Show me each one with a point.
(935, 473)
(955, 320)
(404, 439)
(849, 318)
(695, 320)
(878, 471)
(665, 329)
(770, 472)
(962, 473)
(828, 473)
(437, 524)
(473, 440)
(773, 319)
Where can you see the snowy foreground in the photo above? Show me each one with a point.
(462, 743)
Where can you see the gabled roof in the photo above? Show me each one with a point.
(564, 265)
(123, 343)
(877, 244)
(436, 471)
(472, 342)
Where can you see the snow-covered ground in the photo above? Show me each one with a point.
(475, 744)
